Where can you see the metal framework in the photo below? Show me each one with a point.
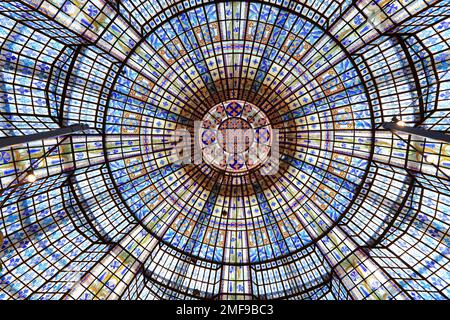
(15, 140)
(417, 131)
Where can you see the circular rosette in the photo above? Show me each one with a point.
(234, 109)
(262, 135)
(237, 143)
(209, 137)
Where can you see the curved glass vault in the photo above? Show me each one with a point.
(354, 211)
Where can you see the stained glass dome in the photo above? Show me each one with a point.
(352, 211)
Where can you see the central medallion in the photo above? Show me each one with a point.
(232, 131)
(235, 137)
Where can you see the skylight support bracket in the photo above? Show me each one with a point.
(11, 141)
(431, 134)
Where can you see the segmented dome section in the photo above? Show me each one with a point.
(295, 77)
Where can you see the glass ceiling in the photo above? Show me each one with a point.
(354, 211)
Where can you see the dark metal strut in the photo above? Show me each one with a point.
(10, 141)
(432, 134)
